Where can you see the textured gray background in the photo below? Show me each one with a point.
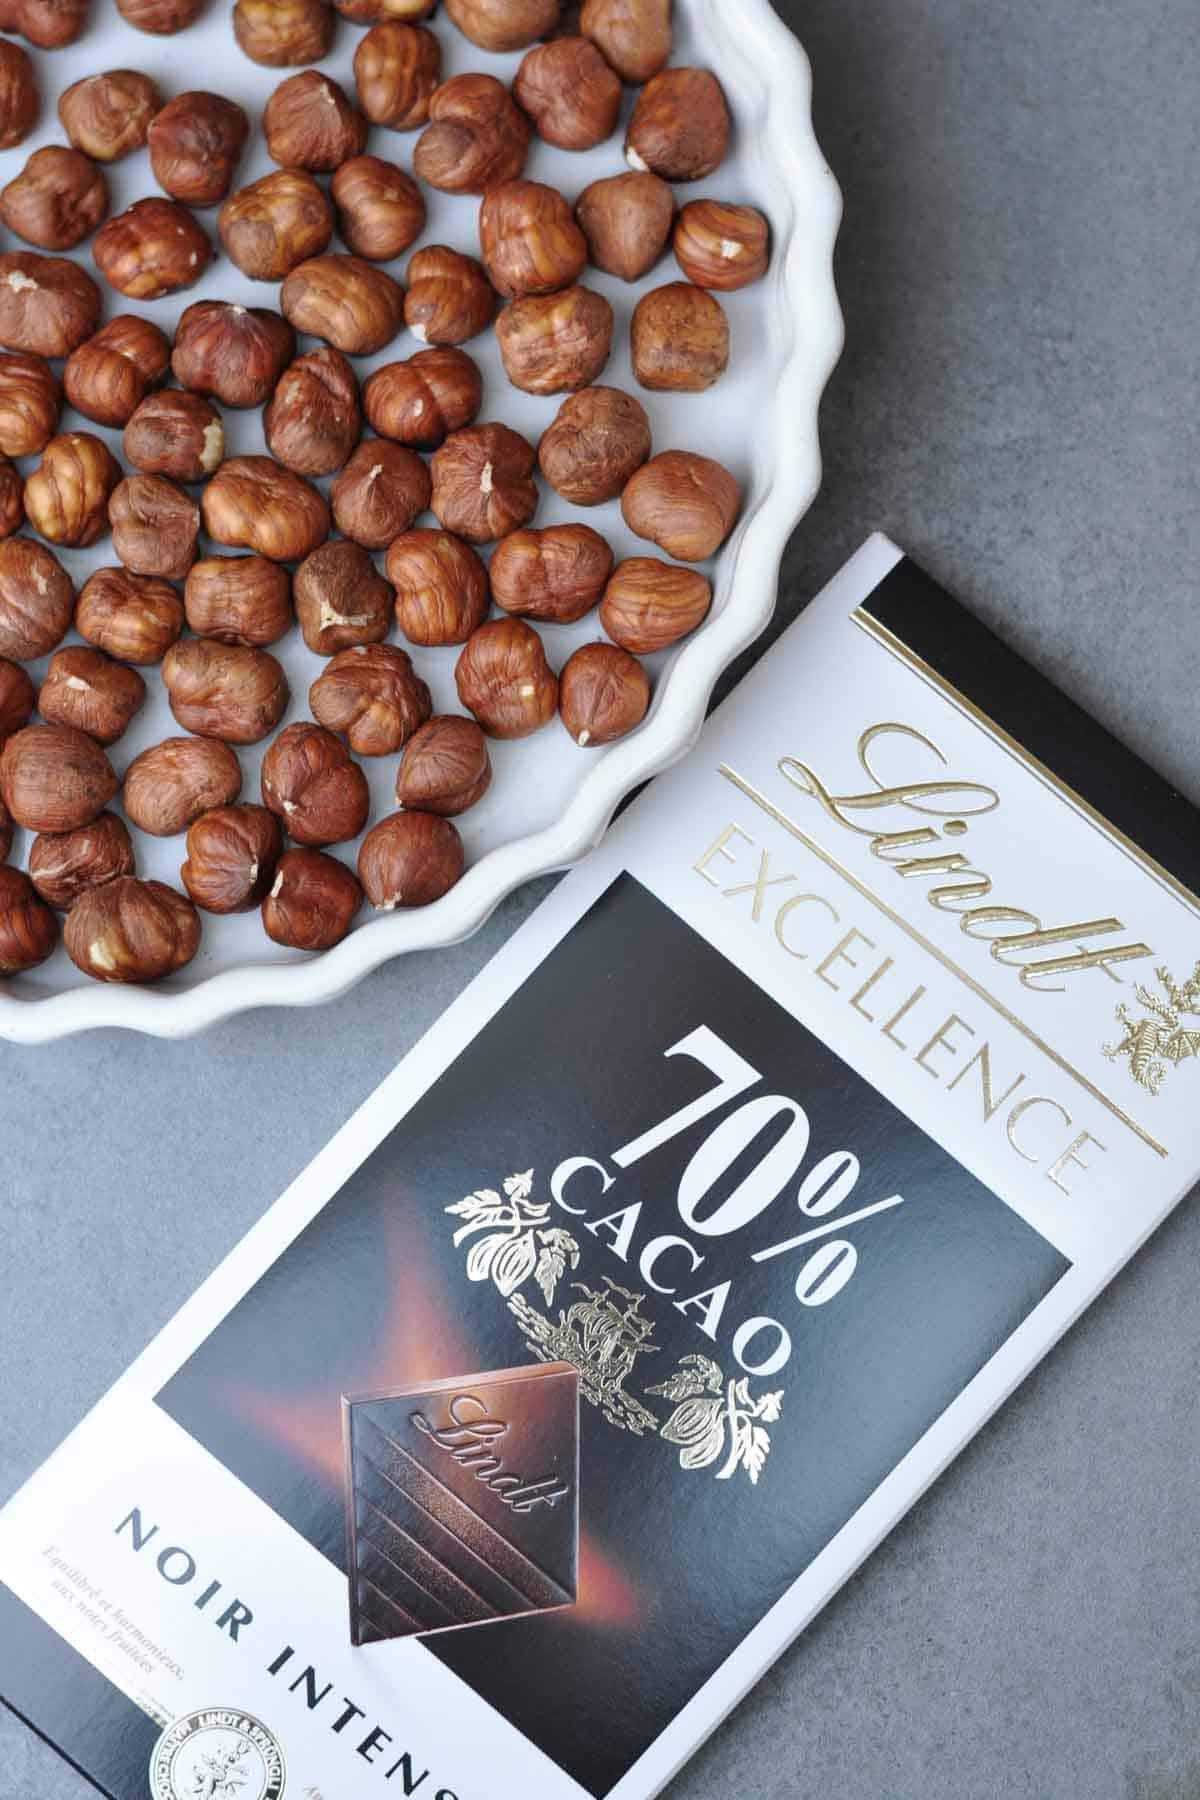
(1018, 404)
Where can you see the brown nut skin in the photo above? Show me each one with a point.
(503, 678)
(634, 35)
(89, 691)
(196, 143)
(37, 599)
(379, 493)
(686, 504)
(108, 116)
(107, 378)
(555, 343)
(179, 434)
(397, 69)
(238, 600)
(349, 302)
(504, 24)
(310, 123)
(445, 768)
(598, 439)
(719, 245)
(65, 864)
(373, 696)
(131, 931)
(54, 778)
(134, 618)
(232, 855)
(234, 353)
(380, 210)
(449, 299)
(18, 697)
(680, 339)
(627, 221)
(410, 859)
(570, 93)
(314, 418)
(154, 247)
(48, 304)
(483, 484)
(28, 928)
(276, 223)
(680, 126)
(57, 200)
(649, 605)
(280, 33)
(371, 12)
(47, 23)
(161, 17)
(442, 591)
(30, 402)
(556, 575)
(313, 900)
(529, 238)
(420, 401)
(155, 526)
(224, 690)
(66, 497)
(341, 599)
(12, 499)
(170, 785)
(254, 503)
(477, 136)
(312, 783)
(6, 829)
(603, 693)
(20, 102)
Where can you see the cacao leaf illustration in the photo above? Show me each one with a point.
(518, 1187)
(514, 1263)
(558, 1248)
(695, 1375)
(770, 1406)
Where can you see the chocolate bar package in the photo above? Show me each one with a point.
(653, 1287)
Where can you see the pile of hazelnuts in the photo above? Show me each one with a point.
(429, 453)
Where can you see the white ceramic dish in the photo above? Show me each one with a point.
(550, 802)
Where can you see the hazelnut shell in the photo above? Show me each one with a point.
(442, 591)
(373, 696)
(28, 928)
(224, 691)
(130, 930)
(312, 902)
(87, 690)
(232, 855)
(445, 767)
(341, 599)
(312, 783)
(63, 865)
(410, 859)
(503, 678)
(134, 618)
(169, 785)
(684, 503)
(54, 778)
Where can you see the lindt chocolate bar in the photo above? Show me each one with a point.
(462, 1501)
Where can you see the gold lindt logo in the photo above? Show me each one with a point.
(1016, 937)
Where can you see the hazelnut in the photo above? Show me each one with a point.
(47, 23)
(635, 35)
(176, 434)
(531, 243)
(420, 401)
(477, 135)
(341, 599)
(555, 343)
(350, 303)
(135, 618)
(686, 504)
(28, 928)
(410, 859)
(48, 305)
(196, 143)
(275, 223)
(372, 695)
(599, 437)
(570, 93)
(483, 484)
(312, 904)
(53, 778)
(310, 123)
(107, 116)
(238, 600)
(449, 296)
(224, 690)
(155, 526)
(36, 599)
(130, 930)
(57, 200)
(371, 12)
(162, 17)
(30, 402)
(680, 339)
(314, 420)
(380, 209)
(310, 780)
(680, 126)
(20, 102)
(108, 377)
(168, 786)
(442, 592)
(719, 245)
(18, 696)
(66, 497)
(232, 855)
(445, 767)
(379, 493)
(603, 693)
(65, 864)
(154, 247)
(557, 574)
(397, 68)
(626, 220)
(85, 689)
(6, 830)
(504, 24)
(12, 499)
(503, 678)
(283, 32)
(254, 503)
(649, 605)
(235, 353)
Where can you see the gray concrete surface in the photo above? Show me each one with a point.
(1018, 404)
